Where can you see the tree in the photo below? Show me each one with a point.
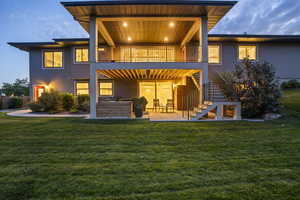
(19, 88)
(254, 84)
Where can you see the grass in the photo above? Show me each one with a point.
(77, 159)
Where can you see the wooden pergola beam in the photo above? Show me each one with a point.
(195, 27)
(105, 34)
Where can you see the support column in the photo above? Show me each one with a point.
(203, 57)
(237, 112)
(93, 57)
(220, 112)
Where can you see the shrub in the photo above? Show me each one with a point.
(35, 107)
(74, 109)
(51, 101)
(83, 98)
(67, 101)
(15, 102)
(291, 84)
(83, 103)
(254, 84)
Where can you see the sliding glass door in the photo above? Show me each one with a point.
(161, 90)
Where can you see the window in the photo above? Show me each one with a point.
(106, 89)
(53, 59)
(214, 54)
(82, 88)
(247, 51)
(81, 55)
(148, 54)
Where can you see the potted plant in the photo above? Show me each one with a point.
(139, 106)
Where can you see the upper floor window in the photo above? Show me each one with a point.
(148, 54)
(214, 54)
(81, 55)
(82, 88)
(247, 51)
(106, 88)
(53, 59)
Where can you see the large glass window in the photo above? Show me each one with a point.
(214, 54)
(148, 54)
(247, 51)
(53, 59)
(159, 90)
(106, 89)
(82, 88)
(81, 55)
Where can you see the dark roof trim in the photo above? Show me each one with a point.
(71, 39)
(31, 43)
(60, 41)
(254, 36)
(149, 2)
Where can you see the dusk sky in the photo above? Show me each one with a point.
(42, 20)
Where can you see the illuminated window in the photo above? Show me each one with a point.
(82, 88)
(106, 89)
(214, 54)
(148, 54)
(81, 55)
(53, 59)
(247, 51)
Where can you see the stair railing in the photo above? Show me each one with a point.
(190, 102)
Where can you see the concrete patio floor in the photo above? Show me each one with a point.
(28, 113)
(171, 116)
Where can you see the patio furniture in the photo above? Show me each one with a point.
(170, 104)
(156, 105)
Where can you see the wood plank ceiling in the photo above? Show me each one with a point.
(148, 31)
(214, 13)
(138, 74)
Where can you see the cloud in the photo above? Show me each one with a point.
(262, 17)
(45, 28)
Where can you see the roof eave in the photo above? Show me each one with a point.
(153, 2)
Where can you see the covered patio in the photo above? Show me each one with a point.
(168, 91)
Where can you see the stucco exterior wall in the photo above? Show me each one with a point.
(58, 78)
(285, 58)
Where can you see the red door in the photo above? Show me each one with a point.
(38, 91)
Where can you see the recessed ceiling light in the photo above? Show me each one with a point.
(125, 24)
(166, 39)
(129, 39)
(172, 24)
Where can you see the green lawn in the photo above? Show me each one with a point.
(77, 159)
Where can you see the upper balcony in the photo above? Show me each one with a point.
(154, 39)
(149, 31)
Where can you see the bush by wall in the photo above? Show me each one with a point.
(67, 101)
(254, 84)
(54, 102)
(291, 84)
(15, 102)
(51, 101)
(83, 103)
(35, 107)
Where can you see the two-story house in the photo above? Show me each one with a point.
(157, 49)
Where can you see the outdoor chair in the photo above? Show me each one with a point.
(156, 105)
(170, 104)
